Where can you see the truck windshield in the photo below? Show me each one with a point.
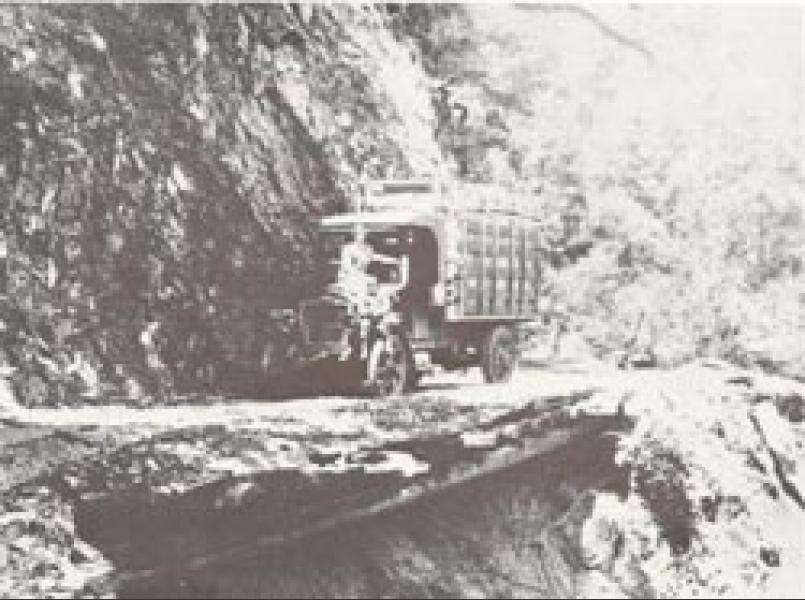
(331, 244)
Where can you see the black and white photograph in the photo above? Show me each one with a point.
(418, 300)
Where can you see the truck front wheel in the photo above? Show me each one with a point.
(389, 370)
(498, 354)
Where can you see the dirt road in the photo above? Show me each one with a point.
(568, 477)
(200, 486)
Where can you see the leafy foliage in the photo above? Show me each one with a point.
(668, 173)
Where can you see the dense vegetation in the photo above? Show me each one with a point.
(664, 146)
(161, 167)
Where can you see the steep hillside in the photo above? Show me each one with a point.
(160, 169)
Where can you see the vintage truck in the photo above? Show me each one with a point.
(463, 268)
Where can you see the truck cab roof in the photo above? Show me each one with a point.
(379, 220)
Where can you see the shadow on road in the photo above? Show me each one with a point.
(497, 522)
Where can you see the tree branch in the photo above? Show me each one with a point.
(599, 23)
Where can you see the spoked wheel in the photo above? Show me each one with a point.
(499, 354)
(389, 370)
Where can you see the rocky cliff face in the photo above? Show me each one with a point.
(161, 168)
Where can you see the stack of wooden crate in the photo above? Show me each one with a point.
(499, 268)
(496, 247)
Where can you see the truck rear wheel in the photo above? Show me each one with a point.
(389, 371)
(498, 354)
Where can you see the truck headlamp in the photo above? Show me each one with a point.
(438, 294)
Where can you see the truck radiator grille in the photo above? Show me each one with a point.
(323, 321)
